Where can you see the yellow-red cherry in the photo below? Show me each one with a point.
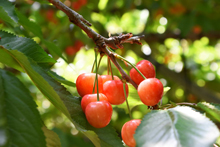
(114, 91)
(146, 68)
(128, 131)
(99, 113)
(85, 82)
(88, 98)
(150, 91)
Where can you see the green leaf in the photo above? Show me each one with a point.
(26, 46)
(36, 30)
(52, 138)
(23, 120)
(211, 108)
(61, 79)
(8, 60)
(3, 118)
(54, 50)
(176, 127)
(109, 136)
(67, 139)
(33, 71)
(8, 13)
(29, 25)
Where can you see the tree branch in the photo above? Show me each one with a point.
(101, 42)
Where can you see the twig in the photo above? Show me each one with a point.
(100, 41)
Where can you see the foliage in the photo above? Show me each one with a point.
(36, 70)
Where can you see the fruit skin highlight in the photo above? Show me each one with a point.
(85, 82)
(146, 68)
(99, 113)
(128, 131)
(114, 91)
(150, 91)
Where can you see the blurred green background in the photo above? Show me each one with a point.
(182, 40)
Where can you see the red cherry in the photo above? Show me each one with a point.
(83, 2)
(150, 91)
(146, 68)
(128, 131)
(70, 50)
(76, 6)
(50, 15)
(85, 82)
(99, 113)
(78, 44)
(114, 91)
(88, 98)
(108, 78)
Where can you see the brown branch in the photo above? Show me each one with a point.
(100, 41)
(113, 42)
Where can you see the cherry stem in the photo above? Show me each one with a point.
(93, 65)
(120, 57)
(101, 55)
(110, 66)
(129, 111)
(96, 75)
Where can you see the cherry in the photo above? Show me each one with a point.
(114, 91)
(50, 15)
(150, 91)
(88, 98)
(78, 44)
(128, 131)
(108, 78)
(146, 68)
(70, 50)
(83, 2)
(85, 82)
(76, 5)
(99, 113)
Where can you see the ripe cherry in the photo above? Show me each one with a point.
(108, 78)
(70, 50)
(146, 68)
(114, 91)
(150, 91)
(128, 131)
(76, 5)
(88, 98)
(99, 113)
(85, 82)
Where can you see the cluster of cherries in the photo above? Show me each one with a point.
(113, 91)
